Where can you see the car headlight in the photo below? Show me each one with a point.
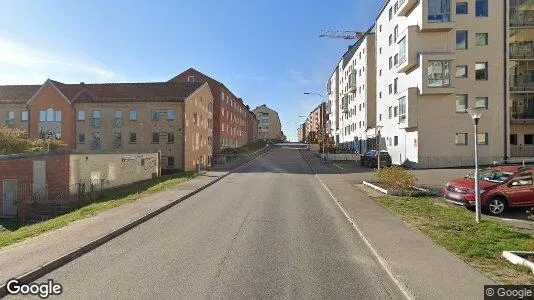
(473, 191)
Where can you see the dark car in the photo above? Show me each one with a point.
(370, 159)
(500, 187)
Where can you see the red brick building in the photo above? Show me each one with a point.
(231, 121)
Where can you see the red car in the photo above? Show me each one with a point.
(500, 187)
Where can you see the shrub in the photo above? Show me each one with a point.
(396, 177)
(15, 141)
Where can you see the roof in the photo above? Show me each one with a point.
(107, 92)
(210, 80)
(17, 93)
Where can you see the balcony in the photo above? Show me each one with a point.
(437, 19)
(521, 116)
(345, 104)
(522, 151)
(521, 18)
(408, 117)
(117, 122)
(351, 84)
(329, 87)
(523, 50)
(437, 74)
(405, 6)
(97, 122)
(407, 49)
(521, 83)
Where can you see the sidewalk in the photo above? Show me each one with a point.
(427, 270)
(31, 254)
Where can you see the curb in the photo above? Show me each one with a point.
(63, 260)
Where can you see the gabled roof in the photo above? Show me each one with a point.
(105, 92)
(210, 80)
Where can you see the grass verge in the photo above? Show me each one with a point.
(110, 198)
(455, 229)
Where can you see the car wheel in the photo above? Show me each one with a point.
(496, 206)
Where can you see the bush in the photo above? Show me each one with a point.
(14, 141)
(396, 177)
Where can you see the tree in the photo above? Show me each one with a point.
(14, 141)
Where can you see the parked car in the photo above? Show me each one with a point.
(370, 159)
(500, 187)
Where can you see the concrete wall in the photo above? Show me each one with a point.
(114, 169)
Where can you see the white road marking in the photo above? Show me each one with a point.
(339, 167)
(375, 253)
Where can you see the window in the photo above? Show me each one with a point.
(438, 73)
(395, 111)
(42, 116)
(156, 114)
(170, 161)
(117, 140)
(380, 28)
(210, 107)
(528, 139)
(482, 139)
(24, 116)
(133, 114)
(461, 39)
(390, 112)
(390, 63)
(49, 114)
(461, 8)
(439, 11)
(396, 59)
(155, 137)
(481, 8)
(402, 109)
(513, 139)
(380, 50)
(195, 118)
(11, 115)
(461, 103)
(523, 179)
(391, 13)
(481, 39)
(380, 72)
(461, 139)
(380, 95)
(481, 71)
(133, 137)
(170, 114)
(396, 140)
(81, 138)
(481, 102)
(461, 71)
(395, 85)
(402, 50)
(390, 39)
(380, 117)
(395, 33)
(390, 141)
(81, 115)
(190, 78)
(170, 138)
(96, 118)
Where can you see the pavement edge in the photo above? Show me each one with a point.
(63, 260)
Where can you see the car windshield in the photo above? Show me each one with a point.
(492, 175)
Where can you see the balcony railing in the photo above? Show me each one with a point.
(351, 84)
(521, 50)
(345, 104)
(522, 151)
(521, 83)
(97, 122)
(521, 18)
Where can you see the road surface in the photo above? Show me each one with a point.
(269, 231)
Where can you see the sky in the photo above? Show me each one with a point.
(266, 52)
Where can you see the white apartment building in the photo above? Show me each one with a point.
(354, 94)
(435, 58)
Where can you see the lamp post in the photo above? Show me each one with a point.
(476, 113)
(378, 128)
(322, 129)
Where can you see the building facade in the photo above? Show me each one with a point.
(435, 58)
(520, 71)
(170, 117)
(230, 114)
(269, 127)
(301, 133)
(316, 123)
(252, 126)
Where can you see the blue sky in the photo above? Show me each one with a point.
(266, 52)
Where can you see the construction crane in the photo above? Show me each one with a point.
(339, 34)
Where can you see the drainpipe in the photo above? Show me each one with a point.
(506, 89)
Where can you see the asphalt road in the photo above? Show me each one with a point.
(269, 231)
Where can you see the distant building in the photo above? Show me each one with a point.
(171, 117)
(269, 127)
(301, 133)
(316, 122)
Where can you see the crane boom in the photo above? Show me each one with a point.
(341, 34)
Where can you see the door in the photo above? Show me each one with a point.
(521, 189)
(9, 197)
(39, 178)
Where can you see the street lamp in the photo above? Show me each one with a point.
(378, 128)
(322, 130)
(476, 114)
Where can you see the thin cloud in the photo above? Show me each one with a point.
(298, 77)
(30, 64)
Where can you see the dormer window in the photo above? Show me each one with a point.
(191, 79)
